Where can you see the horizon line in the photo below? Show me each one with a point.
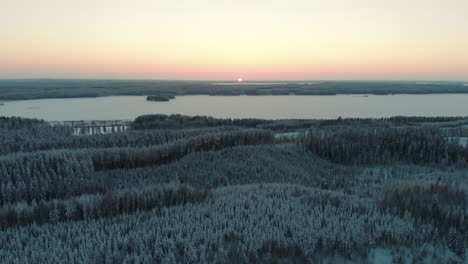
(234, 80)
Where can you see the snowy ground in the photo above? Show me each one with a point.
(464, 141)
(287, 135)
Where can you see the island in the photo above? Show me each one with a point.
(160, 98)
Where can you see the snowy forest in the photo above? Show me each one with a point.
(182, 189)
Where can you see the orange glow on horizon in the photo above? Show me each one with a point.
(304, 40)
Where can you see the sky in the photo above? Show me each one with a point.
(227, 40)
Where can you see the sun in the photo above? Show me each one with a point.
(240, 80)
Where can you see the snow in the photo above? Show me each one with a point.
(287, 135)
(464, 141)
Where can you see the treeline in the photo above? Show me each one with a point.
(61, 173)
(29, 135)
(457, 132)
(392, 121)
(124, 201)
(113, 158)
(423, 119)
(177, 121)
(353, 145)
(14, 123)
(126, 139)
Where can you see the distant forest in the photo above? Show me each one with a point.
(56, 88)
(183, 189)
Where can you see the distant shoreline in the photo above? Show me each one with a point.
(3, 101)
(48, 89)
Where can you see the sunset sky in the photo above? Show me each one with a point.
(227, 39)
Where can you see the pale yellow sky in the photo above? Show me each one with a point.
(220, 39)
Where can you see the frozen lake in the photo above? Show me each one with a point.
(267, 107)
